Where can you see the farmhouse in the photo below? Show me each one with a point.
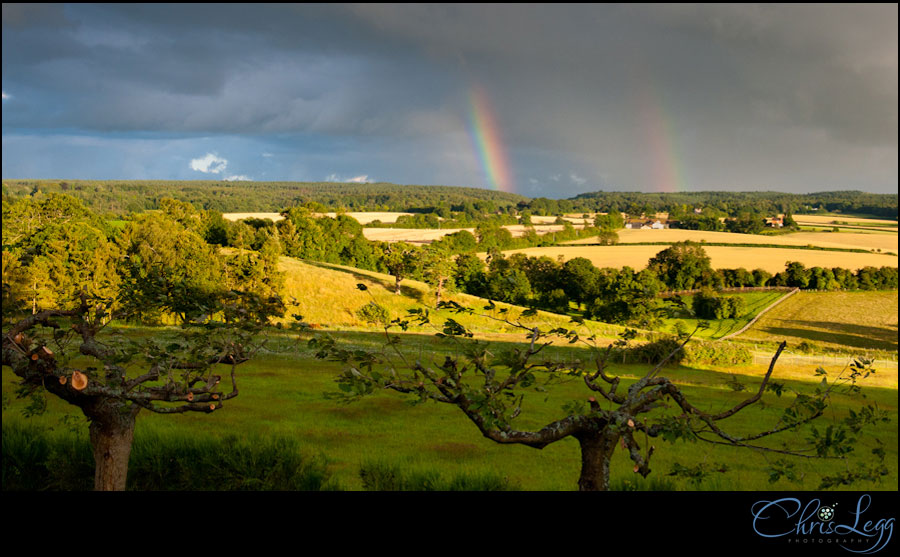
(775, 222)
(646, 225)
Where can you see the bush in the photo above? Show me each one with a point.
(654, 351)
(716, 353)
(709, 305)
(373, 313)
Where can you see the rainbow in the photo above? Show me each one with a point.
(666, 173)
(488, 143)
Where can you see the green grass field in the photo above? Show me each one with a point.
(283, 394)
(756, 302)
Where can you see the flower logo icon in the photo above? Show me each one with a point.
(825, 513)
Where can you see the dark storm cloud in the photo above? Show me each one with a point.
(740, 97)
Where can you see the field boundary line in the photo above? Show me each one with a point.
(760, 314)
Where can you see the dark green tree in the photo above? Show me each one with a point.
(681, 266)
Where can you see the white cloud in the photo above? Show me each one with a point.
(361, 179)
(577, 179)
(268, 155)
(555, 177)
(237, 178)
(209, 164)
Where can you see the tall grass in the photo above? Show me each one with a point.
(385, 476)
(36, 459)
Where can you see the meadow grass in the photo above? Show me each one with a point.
(718, 328)
(326, 296)
(861, 320)
(283, 396)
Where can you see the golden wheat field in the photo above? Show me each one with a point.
(363, 218)
(722, 257)
(866, 320)
(427, 235)
(830, 219)
(862, 240)
(367, 217)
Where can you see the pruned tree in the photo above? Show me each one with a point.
(489, 390)
(62, 352)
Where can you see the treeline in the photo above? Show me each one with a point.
(340, 240)
(725, 204)
(632, 297)
(122, 197)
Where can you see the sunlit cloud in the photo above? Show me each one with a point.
(209, 164)
(237, 178)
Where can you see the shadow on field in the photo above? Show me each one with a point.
(881, 338)
(388, 285)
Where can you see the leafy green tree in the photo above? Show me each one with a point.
(628, 298)
(59, 248)
(469, 274)
(401, 260)
(508, 285)
(489, 388)
(168, 268)
(681, 266)
(796, 274)
(746, 223)
(761, 277)
(437, 269)
(578, 278)
(609, 222)
(845, 278)
(460, 242)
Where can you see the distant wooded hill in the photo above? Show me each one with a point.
(124, 196)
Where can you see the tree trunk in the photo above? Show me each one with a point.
(112, 433)
(398, 279)
(596, 452)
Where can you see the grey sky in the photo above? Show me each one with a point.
(615, 97)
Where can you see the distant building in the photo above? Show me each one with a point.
(775, 222)
(646, 225)
(698, 211)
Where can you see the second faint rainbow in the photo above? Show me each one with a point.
(488, 141)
